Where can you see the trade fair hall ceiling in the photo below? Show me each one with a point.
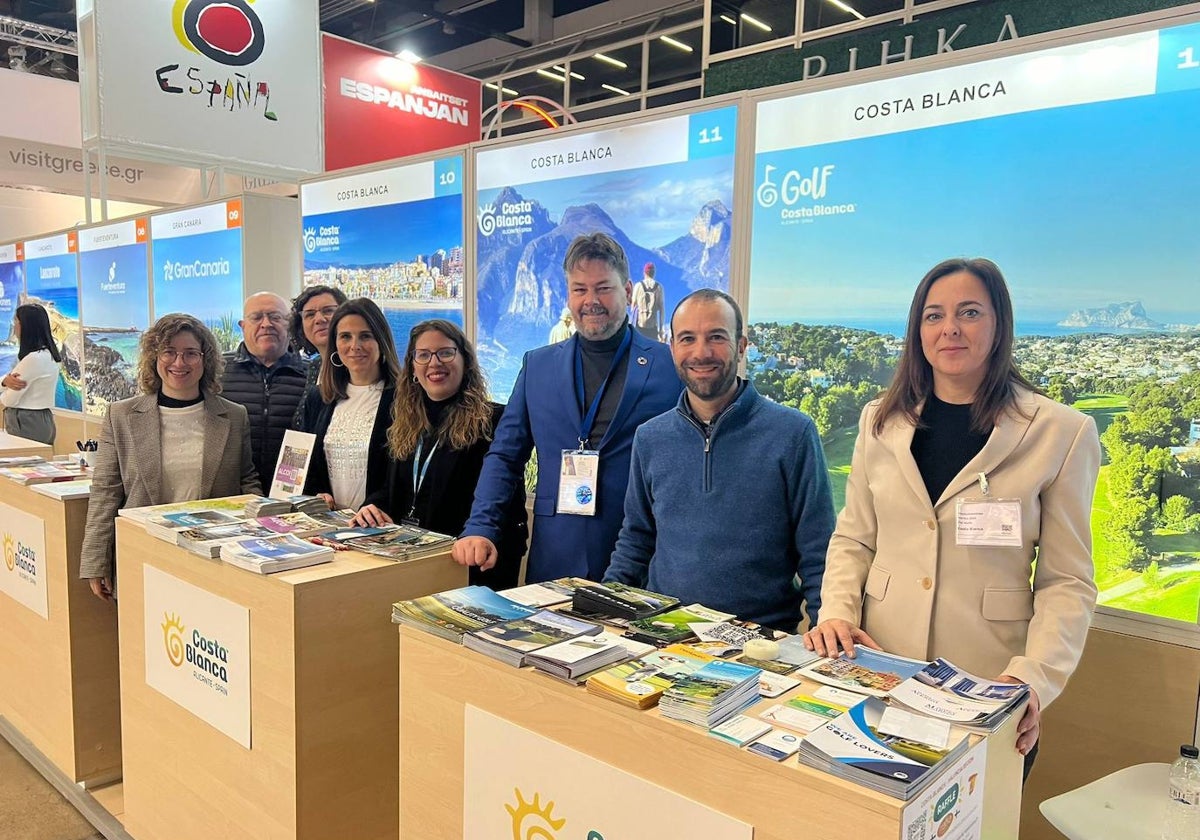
(37, 36)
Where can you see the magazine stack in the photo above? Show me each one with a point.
(707, 697)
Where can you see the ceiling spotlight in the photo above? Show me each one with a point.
(448, 28)
(409, 56)
(16, 51)
(57, 66)
(17, 64)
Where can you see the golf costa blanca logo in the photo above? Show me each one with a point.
(532, 821)
(800, 193)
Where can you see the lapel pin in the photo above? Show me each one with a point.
(641, 360)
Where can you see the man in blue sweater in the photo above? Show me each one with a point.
(729, 503)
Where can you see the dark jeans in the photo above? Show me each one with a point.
(1029, 759)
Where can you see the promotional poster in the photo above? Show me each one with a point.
(51, 280)
(12, 279)
(115, 296)
(860, 190)
(197, 267)
(663, 189)
(394, 235)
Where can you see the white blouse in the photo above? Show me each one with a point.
(348, 443)
(40, 372)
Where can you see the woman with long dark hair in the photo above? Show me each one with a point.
(358, 383)
(963, 476)
(29, 387)
(312, 313)
(442, 426)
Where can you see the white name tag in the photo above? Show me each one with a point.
(577, 480)
(991, 522)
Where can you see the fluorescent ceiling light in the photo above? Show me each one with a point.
(845, 7)
(409, 56)
(550, 75)
(495, 86)
(729, 20)
(563, 70)
(679, 45)
(615, 62)
(616, 90)
(753, 21)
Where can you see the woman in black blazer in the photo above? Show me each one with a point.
(349, 465)
(442, 428)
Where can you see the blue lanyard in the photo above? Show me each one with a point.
(589, 419)
(419, 477)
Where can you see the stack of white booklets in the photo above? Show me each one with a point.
(274, 554)
(946, 692)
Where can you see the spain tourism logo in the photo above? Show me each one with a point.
(10, 552)
(226, 31)
(173, 638)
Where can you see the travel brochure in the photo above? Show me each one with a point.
(510, 641)
(459, 611)
(280, 553)
(869, 672)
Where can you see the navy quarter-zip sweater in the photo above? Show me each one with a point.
(732, 518)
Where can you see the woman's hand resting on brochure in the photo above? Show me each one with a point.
(1030, 726)
(371, 517)
(828, 637)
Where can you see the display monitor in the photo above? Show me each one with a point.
(52, 280)
(1074, 168)
(114, 292)
(662, 188)
(196, 256)
(393, 235)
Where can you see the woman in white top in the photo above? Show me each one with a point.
(176, 442)
(358, 385)
(29, 388)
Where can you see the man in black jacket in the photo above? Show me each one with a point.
(265, 377)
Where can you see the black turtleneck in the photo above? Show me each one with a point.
(171, 402)
(944, 444)
(597, 359)
(436, 410)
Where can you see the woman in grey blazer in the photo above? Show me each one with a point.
(176, 442)
(963, 476)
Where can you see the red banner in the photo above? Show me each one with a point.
(378, 107)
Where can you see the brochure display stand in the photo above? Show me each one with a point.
(58, 651)
(261, 705)
(460, 710)
(12, 446)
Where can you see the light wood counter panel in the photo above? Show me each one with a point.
(323, 695)
(438, 679)
(59, 676)
(12, 446)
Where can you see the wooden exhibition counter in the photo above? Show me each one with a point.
(58, 674)
(458, 708)
(321, 697)
(12, 446)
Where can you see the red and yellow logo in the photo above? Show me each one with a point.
(173, 638)
(10, 552)
(227, 31)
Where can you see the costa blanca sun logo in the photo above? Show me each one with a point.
(310, 239)
(226, 31)
(10, 552)
(173, 638)
(530, 820)
(487, 219)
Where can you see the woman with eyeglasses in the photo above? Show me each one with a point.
(312, 310)
(176, 442)
(358, 383)
(442, 426)
(29, 387)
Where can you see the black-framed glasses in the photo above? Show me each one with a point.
(445, 355)
(325, 312)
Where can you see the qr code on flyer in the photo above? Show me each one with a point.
(918, 830)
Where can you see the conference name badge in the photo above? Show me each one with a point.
(577, 479)
(988, 522)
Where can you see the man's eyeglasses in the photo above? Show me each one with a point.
(190, 357)
(273, 317)
(445, 355)
(311, 314)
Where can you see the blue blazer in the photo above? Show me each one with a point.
(544, 412)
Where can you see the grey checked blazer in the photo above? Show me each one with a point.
(127, 470)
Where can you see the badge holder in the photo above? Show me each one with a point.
(988, 521)
(577, 481)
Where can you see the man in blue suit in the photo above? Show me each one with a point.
(582, 398)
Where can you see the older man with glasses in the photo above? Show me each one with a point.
(265, 377)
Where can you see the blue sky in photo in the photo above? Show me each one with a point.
(127, 264)
(389, 233)
(1081, 207)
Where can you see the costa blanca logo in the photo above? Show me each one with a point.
(173, 638)
(10, 552)
(324, 238)
(20, 558)
(800, 193)
(511, 218)
(530, 820)
(310, 239)
(486, 219)
(226, 31)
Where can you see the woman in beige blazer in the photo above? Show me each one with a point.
(960, 424)
(178, 441)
